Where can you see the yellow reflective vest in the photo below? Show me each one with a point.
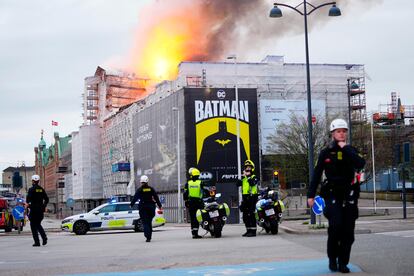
(246, 188)
(194, 189)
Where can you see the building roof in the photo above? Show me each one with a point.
(13, 169)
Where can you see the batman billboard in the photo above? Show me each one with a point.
(211, 130)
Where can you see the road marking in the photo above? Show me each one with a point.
(288, 268)
(401, 234)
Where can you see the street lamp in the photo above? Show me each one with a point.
(373, 164)
(178, 165)
(234, 58)
(277, 13)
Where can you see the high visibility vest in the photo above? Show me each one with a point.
(246, 188)
(194, 189)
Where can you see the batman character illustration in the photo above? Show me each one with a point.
(219, 152)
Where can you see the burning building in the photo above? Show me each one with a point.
(193, 119)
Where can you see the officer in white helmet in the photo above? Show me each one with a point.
(36, 202)
(147, 197)
(339, 161)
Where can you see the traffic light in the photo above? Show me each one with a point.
(275, 178)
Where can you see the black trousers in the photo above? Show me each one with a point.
(194, 205)
(147, 213)
(248, 208)
(341, 229)
(36, 218)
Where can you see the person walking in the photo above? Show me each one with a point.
(147, 197)
(36, 202)
(340, 162)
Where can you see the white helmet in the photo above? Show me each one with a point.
(190, 170)
(338, 123)
(35, 177)
(144, 179)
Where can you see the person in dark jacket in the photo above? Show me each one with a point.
(36, 201)
(147, 197)
(340, 162)
(250, 189)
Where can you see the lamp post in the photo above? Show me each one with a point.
(236, 91)
(178, 165)
(373, 165)
(333, 11)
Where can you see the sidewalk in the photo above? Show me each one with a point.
(364, 225)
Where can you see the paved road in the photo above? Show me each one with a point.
(174, 251)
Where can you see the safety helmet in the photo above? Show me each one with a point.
(190, 170)
(35, 177)
(249, 163)
(195, 172)
(144, 179)
(338, 123)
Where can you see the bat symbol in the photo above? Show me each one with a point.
(223, 142)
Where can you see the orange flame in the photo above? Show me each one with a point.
(165, 42)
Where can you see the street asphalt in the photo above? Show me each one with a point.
(173, 252)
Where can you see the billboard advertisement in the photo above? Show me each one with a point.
(211, 130)
(154, 135)
(274, 112)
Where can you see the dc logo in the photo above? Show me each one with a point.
(221, 94)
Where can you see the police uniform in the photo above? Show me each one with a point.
(249, 186)
(147, 197)
(341, 195)
(193, 196)
(37, 200)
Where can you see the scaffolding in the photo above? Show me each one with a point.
(106, 92)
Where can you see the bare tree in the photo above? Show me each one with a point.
(291, 145)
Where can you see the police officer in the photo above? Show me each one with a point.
(37, 201)
(340, 162)
(147, 197)
(249, 184)
(193, 198)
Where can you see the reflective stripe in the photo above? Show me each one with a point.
(247, 189)
(194, 189)
(194, 229)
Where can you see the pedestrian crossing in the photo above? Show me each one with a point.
(401, 234)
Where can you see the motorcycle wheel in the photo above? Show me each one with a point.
(274, 227)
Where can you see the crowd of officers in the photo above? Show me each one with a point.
(339, 162)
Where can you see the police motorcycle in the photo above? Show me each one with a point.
(269, 211)
(214, 215)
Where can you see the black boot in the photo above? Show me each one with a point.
(343, 269)
(251, 233)
(245, 234)
(333, 266)
(196, 235)
(44, 241)
(36, 244)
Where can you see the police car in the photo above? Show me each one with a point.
(110, 216)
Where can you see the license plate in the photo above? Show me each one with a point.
(270, 212)
(214, 214)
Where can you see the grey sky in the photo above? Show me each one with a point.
(47, 48)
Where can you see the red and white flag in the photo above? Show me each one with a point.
(54, 123)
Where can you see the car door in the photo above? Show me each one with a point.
(106, 215)
(123, 216)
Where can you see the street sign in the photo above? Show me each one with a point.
(70, 202)
(162, 199)
(318, 206)
(18, 212)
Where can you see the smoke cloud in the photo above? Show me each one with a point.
(209, 30)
